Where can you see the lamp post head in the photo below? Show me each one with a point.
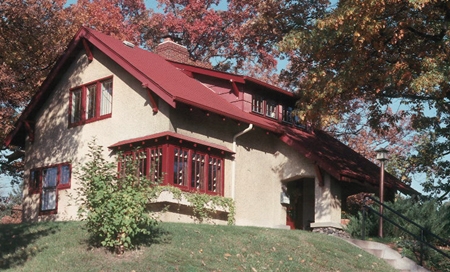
(382, 154)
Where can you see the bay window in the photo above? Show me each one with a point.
(90, 102)
(180, 163)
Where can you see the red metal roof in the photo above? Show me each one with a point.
(167, 80)
(339, 160)
(168, 134)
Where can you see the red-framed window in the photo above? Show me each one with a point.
(268, 108)
(257, 104)
(150, 162)
(46, 181)
(271, 109)
(196, 171)
(91, 102)
(288, 115)
(291, 117)
(183, 167)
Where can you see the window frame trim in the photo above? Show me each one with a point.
(98, 94)
(58, 186)
(167, 173)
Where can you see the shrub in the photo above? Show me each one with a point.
(113, 205)
(354, 227)
(431, 215)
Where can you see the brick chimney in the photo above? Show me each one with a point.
(172, 51)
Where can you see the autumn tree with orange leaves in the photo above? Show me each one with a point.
(357, 56)
(237, 36)
(34, 33)
(386, 53)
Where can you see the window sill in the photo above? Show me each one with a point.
(91, 120)
(50, 212)
(168, 197)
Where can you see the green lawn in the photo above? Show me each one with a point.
(62, 246)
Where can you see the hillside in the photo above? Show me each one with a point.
(62, 246)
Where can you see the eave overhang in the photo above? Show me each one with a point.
(162, 137)
(349, 166)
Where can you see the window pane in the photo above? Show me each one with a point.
(257, 104)
(50, 176)
(65, 175)
(271, 109)
(197, 171)
(156, 159)
(215, 175)
(180, 167)
(106, 97)
(48, 199)
(287, 114)
(76, 106)
(90, 101)
(126, 163)
(141, 156)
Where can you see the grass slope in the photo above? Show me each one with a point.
(62, 246)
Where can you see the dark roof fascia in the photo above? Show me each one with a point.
(372, 173)
(231, 77)
(345, 174)
(311, 155)
(244, 117)
(43, 92)
(146, 81)
(167, 134)
(269, 86)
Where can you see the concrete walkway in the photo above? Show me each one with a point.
(390, 255)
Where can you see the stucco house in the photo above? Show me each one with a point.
(200, 129)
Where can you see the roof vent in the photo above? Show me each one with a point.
(129, 44)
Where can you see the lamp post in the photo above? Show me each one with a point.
(382, 157)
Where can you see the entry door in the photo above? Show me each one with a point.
(301, 208)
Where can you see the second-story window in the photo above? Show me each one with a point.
(271, 109)
(257, 104)
(91, 102)
(288, 115)
(265, 107)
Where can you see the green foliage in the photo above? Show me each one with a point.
(433, 217)
(203, 206)
(355, 226)
(430, 214)
(114, 206)
(390, 55)
(13, 198)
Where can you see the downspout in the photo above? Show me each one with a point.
(233, 166)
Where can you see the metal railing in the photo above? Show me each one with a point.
(420, 238)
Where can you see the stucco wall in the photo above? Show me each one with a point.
(55, 142)
(263, 162)
(327, 203)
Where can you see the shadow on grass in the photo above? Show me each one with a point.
(17, 242)
(157, 235)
